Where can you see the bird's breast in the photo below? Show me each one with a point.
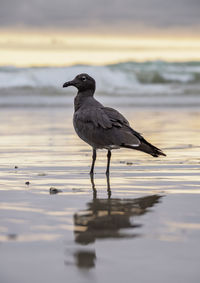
(82, 129)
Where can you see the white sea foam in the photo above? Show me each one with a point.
(148, 80)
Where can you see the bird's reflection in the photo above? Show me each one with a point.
(85, 259)
(94, 187)
(107, 218)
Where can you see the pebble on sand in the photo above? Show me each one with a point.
(12, 236)
(54, 191)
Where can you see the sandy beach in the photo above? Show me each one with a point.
(146, 229)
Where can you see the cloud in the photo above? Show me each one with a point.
(124, 15)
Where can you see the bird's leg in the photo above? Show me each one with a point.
(94, 155)
(108, 163)
(108, 185)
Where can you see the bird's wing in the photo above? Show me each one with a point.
(96, 116)
(104, 125)
(115, 117)
(104, 117)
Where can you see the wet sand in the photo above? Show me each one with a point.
(145, 228)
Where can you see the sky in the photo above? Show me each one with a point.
(128, 15)
(132, 29)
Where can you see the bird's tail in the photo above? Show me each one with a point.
(146, 147)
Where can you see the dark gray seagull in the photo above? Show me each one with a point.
(103, 127)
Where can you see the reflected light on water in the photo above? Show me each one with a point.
(183, 225)
(68, 158)
(52, 156)
(31, 237)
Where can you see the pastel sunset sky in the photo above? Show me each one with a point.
(61, 32)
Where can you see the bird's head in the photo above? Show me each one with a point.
(82, 82)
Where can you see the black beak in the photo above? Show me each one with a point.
(70, 83)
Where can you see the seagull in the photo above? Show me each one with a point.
(103, 127)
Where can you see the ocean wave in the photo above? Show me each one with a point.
(110, 77)
(129, 79)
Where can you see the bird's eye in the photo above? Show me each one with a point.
(83, 78)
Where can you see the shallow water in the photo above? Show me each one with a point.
(145, 227)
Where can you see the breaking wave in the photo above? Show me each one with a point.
(129, 79)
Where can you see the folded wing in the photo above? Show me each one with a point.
(104, 127)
